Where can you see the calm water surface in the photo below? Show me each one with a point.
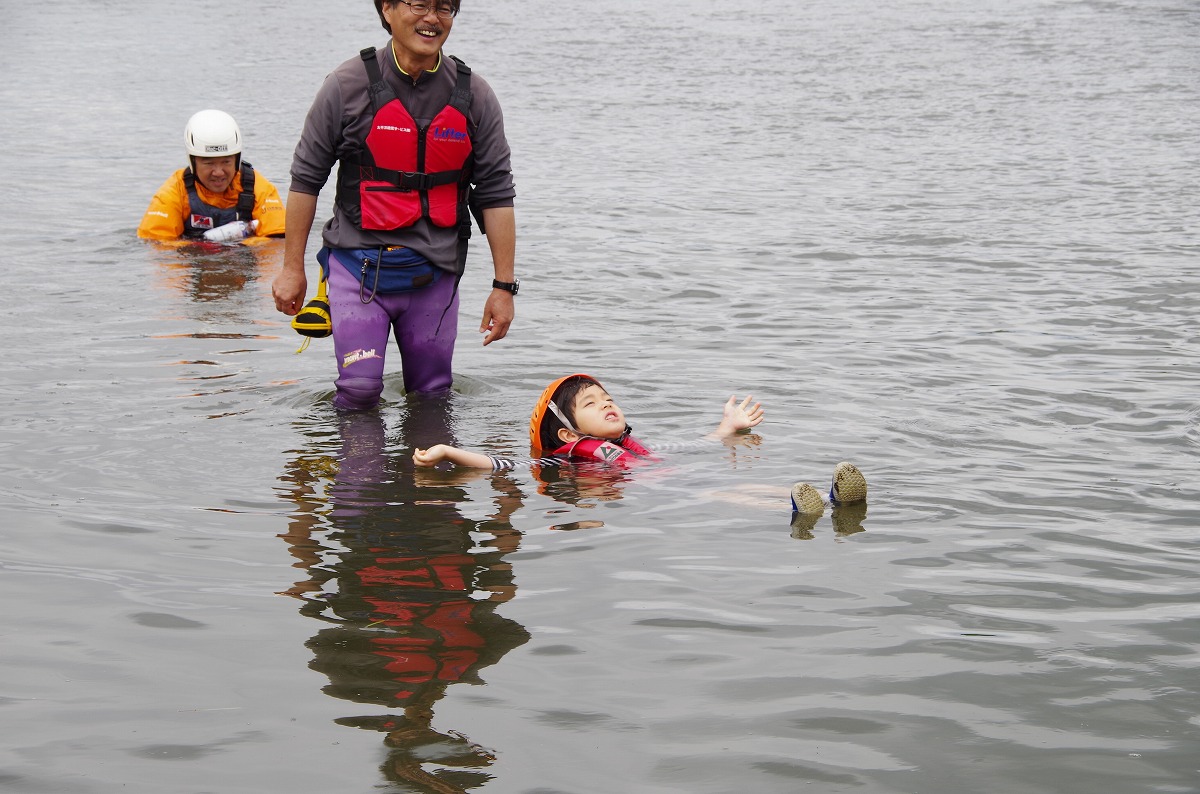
(952, 242)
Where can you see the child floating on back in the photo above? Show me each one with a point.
(575, 419)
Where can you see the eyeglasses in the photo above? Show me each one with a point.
(444, 10)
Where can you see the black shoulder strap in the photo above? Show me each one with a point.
(461, 97)
(245, 205)
(460, 100)
(378, 90)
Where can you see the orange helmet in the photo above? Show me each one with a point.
(540, 410)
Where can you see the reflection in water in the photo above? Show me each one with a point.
(213, 272)
(217, 292)
(407, 594)
(581, 484)
(847, 520)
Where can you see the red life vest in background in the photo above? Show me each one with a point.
(406, 171)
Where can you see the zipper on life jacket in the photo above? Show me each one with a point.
(422, 132)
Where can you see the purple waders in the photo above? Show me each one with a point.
(361, 332)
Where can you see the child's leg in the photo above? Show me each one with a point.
(360, 337)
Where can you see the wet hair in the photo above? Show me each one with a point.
(379, 9)
(564, 398)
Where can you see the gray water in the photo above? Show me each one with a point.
(953, 242)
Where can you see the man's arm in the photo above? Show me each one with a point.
(163, 220)
(290, 285)
(268, 209)
(498, 310)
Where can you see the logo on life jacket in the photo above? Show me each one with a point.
(609, 452)
(448, 134)
(201, 222)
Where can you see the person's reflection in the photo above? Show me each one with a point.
(408, 594)
(205, 272)
(210, 297)
(583, 484)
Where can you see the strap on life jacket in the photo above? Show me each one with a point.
(245, 203)
(380, 93)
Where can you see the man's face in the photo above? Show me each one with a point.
(420, 35)
(216, 173)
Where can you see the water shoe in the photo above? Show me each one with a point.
(806, 499)
(849, 485)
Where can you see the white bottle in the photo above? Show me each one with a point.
(231, 232)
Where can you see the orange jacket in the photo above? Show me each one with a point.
(164, 217)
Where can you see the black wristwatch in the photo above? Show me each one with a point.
(507, 286)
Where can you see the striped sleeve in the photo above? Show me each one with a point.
(508, 464)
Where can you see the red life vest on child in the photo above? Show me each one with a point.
(405, 171)
(625, 450)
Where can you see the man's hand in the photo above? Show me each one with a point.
(288, 289)
(498, 315)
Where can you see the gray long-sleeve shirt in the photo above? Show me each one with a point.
(340, 118)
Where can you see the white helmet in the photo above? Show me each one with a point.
(212, 133)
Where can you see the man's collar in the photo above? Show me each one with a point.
(395, 60)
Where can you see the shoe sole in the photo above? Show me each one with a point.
(849, 485)
(806, 499)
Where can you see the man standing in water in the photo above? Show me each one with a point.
(418, 136)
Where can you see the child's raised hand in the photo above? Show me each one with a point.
(740, 416)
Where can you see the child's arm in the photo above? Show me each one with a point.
(738, 417)
(459, 457)
(427, 458)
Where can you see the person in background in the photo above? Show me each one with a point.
(219, 197)
(420, 146)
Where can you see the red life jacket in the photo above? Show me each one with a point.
(404, 171)
(625, 450)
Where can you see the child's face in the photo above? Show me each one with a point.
(597, 415)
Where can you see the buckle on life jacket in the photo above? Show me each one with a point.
(414, 180)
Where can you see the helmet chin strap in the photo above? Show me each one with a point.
(562, 417)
